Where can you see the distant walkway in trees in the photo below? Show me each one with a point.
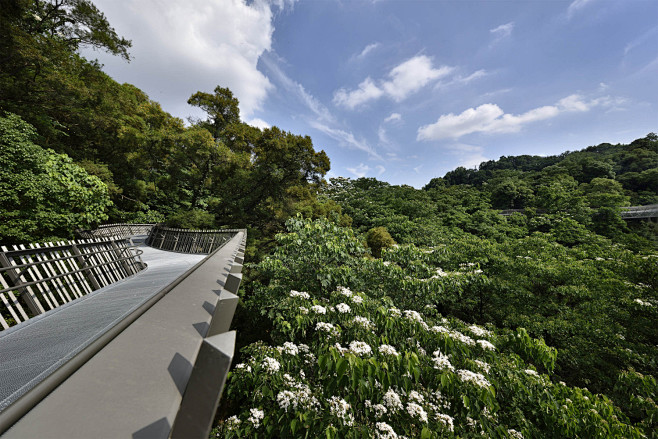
(627, 213)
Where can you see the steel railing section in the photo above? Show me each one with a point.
(122, 230)
(189, 241)
(628, 212)
(648, 211)
(42, 277)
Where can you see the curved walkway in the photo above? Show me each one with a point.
(31, 351)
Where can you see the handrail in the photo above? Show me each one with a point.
(189, 241)
(43, 277)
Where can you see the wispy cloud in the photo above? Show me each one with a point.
(393, 117)
(503, 31)
(316, 107)
(641, 40)
(258, 123)
(576, 6)
(360, 171)
(403, 80)
(323, 120)
(369, 48)
(380, 169)
(490, 118)
(345, 138)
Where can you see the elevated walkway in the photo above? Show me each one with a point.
(117, 362)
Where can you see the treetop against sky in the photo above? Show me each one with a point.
(405, 90)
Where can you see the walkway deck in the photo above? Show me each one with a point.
(35, 349)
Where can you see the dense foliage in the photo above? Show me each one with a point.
(43, 194)
(363, 347)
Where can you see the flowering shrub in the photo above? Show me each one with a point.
(389, 364)
(330, 375)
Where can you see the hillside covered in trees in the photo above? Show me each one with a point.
(152, 167)
(367, 308)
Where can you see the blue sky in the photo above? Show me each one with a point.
(406, 90)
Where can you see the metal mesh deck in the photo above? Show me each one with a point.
(34, 349)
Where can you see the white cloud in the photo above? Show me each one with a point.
(383, 137)
(259, 123)
(367, 91)
(345, 138)
(469, 156)
(323, 120)
(183, 47)
(369, 48)
(360, 171)
(576, 6)
(298, 90)
(393, 117)
(380, 169)
(403, 80)
(490, 118)
(503, 31)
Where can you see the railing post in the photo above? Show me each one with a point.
(87, 271)
(201, 398)
(26, 292)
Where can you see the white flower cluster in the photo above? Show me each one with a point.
(440, 330)
(388, 350)
(385, 431)
(301, 396)
(243, 366)
(340, 409)
(395, 312)
(343, 308)
(479, 332)
(439, 401)
(232, 423)
(392, 400)
(360, 348)
(345, 291)
(288, 348)
(642, 302)
(482, 365)
(473, 377)
(341, 349)
(363, 321)
(439, 273)
(271, 365)
(514, 434)
(319, 309)
(255, 417)
(458, 336)
(484, 344)
(302, 294)
(414, 396)
(413, 316)
(326, 327)
(357, 299)
(416, 411)
(447, 421)
(442, 362)
(303, 310)
(531, 372)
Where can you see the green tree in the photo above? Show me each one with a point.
(43, 194)
(378, 239)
